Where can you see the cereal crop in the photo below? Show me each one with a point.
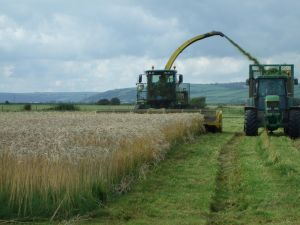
(65, 163)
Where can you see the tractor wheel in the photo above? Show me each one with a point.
(250, 124)
(294, 124)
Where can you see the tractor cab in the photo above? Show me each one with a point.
(272, 91)
(162, 89)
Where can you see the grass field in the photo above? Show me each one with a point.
(217, 178)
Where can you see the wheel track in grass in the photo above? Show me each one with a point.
(281, 154)
(257, 182)
(227, 181)
(178, 191)
(280, 160)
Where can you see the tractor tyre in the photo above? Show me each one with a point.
(250, 124)
(294, 124)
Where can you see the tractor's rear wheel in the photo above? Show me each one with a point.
(250, 124)
(294, 123)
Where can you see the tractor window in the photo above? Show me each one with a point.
(271, 87)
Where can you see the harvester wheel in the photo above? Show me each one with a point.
(294, 123)
(250, 125)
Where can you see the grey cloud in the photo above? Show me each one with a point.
(99, 45)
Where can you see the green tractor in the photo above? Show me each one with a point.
(271, 102)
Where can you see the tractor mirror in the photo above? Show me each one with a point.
(180, 79)
(296, 81)
(247, 82)
(140, 78)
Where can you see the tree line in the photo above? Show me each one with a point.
(105, 101)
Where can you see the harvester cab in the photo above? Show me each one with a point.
(162, 89)
(271, 102)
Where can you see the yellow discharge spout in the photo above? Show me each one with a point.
(188, 43)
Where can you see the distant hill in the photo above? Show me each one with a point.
(126, 95)
(227, 93)
(45, 97)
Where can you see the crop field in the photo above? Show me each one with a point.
(62, 164)
(87, 168)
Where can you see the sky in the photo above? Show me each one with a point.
(98, 45)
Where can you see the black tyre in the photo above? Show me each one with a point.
(294, 123)
(251, 123)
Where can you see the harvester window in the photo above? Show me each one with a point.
(162, 79)
(170, 79)
(155, 78)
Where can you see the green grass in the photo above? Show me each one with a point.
(260, 184)
(178, 191)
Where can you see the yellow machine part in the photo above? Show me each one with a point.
(213, 120)
(188, 43)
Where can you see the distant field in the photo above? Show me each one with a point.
(227, 109)
(232, 110)
(43, 107)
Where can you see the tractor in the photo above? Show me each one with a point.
(271, 102)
